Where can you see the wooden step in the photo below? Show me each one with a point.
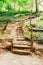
(21, 52)
(21, 42)
(20, 38)
(21, 46)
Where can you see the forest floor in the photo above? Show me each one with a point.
(8, 58)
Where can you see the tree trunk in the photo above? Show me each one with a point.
(5, 26)
(36, 3)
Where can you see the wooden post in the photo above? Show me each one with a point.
(11, 44)
(11, 41)
(31, 36)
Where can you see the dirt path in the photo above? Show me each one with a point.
(8, 58)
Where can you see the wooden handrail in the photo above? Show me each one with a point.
(37, 30)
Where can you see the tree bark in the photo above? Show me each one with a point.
(5, 26)
(36, 3)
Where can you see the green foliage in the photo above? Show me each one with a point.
(3, 0)
(21, 3)
(8, 6)
(10, 13)
(1, 4)
(38, 26)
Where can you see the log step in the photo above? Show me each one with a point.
(21, 52)
(21, 46)
(20, 39)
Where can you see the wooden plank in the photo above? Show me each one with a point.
(37, 30)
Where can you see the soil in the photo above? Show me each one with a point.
(8, 58)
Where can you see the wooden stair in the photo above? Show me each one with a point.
(21, 46)
(22, 52)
